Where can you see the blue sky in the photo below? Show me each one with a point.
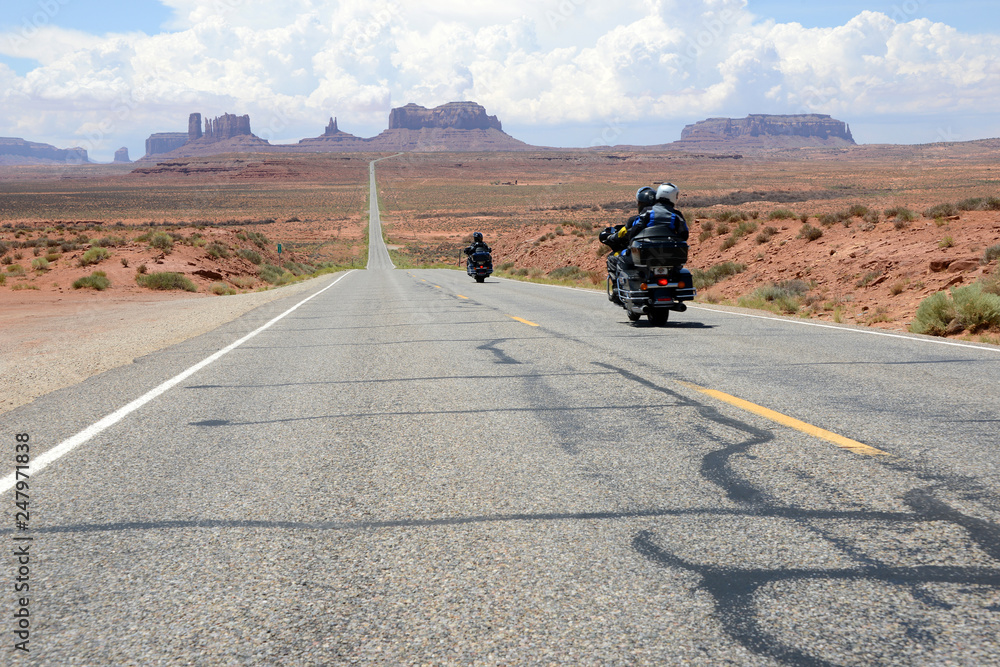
(106, 73)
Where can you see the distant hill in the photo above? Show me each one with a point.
(765, 131)
(19, 151)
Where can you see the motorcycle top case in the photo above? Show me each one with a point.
(482, 258)
(652, 251)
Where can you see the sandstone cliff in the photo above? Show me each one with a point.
(121, 155)
(18, 151)
(453, 115)
(763, 130)
(456, 126)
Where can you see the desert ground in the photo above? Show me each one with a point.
(860, 235)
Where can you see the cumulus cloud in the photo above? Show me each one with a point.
(531, 63)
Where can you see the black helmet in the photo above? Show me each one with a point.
(477, 237)
(645, 197)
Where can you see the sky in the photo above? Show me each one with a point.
(105, 74)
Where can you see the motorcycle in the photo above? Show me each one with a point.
(655, 281)
(479, 265)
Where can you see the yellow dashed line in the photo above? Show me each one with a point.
(791, 422)
(530, 324)
(461, 297)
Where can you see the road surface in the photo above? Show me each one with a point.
(409, 467)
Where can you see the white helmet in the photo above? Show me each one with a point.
(668, 191)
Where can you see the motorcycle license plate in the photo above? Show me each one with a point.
(661, 271)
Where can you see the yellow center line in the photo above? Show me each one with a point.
(438, 286)
(791, 422)
(530, 324)
(461, 297)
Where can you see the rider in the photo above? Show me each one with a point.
(618, 237)
(663, 212)
(478, 245)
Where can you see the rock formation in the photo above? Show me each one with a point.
(227, 126)
(18, 151)
(121, 155)
(456, 126)
(453, 115)
(194, 126)
(771, 130)
(164, 142)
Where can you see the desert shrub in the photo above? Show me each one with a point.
(3, 279)
(946, 242)
(274, 274)
(715, 274)
(111, 242)
(897, 287)
(974, 308)
(165, 280)
(250, 255)
(722, 229)
(707, 224)
(243, 282)
(871, 217)
(900, 213)
(991, 254)
(6, 260)
(868, 278)
(781, 214)
(257, 239)
(69, 247)
(15, 270)
(298, 268)
(744, 228)
(705, 235)
(4, 248)
(901, 223)
(781, 297)
(971, 204)
(221, 289)
(810, 233)
(730, 241)
(766, 235)
(506, 266)
(52, 256)
(162, 241)
(97, 280)
(216, 250)
(93, 256)
(567, 273)
(933, 315)
(941, 211)
(729, 216)
(40, 264)
(857, 211)
(991, 284)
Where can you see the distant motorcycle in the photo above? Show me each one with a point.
(479, 265)
(657, 281)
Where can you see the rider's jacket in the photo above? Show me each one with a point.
(659, 214)
(476, 247)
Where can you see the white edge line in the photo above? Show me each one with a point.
(869, 332)
(71, 443)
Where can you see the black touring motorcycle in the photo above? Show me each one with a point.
(655, 281)
(479, 265)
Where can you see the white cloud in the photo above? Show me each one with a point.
(554, 62)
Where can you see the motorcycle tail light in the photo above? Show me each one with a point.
(643, 286)
(662, 282)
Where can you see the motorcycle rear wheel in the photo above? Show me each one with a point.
(658, 318)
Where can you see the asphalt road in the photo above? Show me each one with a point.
(412, 468)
